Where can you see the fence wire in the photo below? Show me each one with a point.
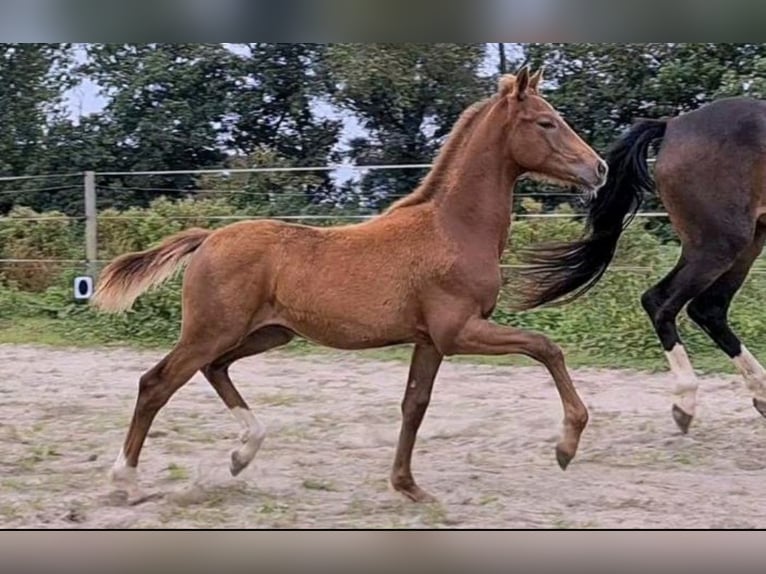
(226, 173)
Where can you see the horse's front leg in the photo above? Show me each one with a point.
(423, 369)
(481, 337)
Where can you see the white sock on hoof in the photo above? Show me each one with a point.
(686, 381)
(253, 434)
(753, 373)
(124, 476)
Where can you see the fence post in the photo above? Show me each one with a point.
(91, 229)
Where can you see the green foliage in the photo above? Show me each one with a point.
(267, 192)
(274, 103)
(407, 97)
(33, 78)
(751, 82)
(602, 88)
(23, 239)
(181, 106)
(607, 327)
(187, 106)
(166, 103)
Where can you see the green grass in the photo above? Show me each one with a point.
(176, 472)
(314, 484)
(607, 328)
(33, 331)
(53, 332)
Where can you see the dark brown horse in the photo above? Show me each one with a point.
(710, 175)
(425, 272)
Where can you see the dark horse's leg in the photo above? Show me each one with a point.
(423, 369)
(217, 373)
(710, 309)
(697, 269)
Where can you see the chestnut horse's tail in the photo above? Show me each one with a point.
(573, 268)
(130, 275)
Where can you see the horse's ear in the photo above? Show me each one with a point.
(522, 83)
(506, 84)
(536, 79)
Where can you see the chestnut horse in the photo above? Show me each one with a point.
(710, 175)
(425, 272)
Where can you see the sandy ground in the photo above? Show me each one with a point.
(485, 449)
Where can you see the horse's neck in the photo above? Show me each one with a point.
(477, 205)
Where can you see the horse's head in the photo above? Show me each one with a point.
(541, 143)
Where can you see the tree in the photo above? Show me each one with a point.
(275, 106)
(747, 83)
(268, 193)
(407, 97)
(279, 87)
(167, 109)
(33, 79)
(601, 89)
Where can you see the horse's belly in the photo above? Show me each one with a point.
(349, 324)
(349, 332)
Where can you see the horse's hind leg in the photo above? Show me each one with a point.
(694, 273)
(710, 309)
(217, 373)
(155, 388)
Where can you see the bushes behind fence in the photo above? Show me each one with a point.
(606, 327)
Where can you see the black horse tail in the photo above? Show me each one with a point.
(556, 270)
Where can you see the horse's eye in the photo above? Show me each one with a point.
(546, 124)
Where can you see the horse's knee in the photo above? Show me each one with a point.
(552, 351)
(544, 349)
(707, 312)
(700, 313)
(147, 382)
(213, 371)
(650, 303)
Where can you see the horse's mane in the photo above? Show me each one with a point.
(441, 168)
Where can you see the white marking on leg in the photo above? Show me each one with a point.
(252, 436)
(124, 476)
(753, 373)
(686, 380)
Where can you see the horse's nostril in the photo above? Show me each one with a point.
(601, 168)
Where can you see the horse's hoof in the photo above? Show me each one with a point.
(414, 493)
(418, 495)
(563, 458)
(760, 406)
(237, 465)
(683, 419)
(132, 497)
